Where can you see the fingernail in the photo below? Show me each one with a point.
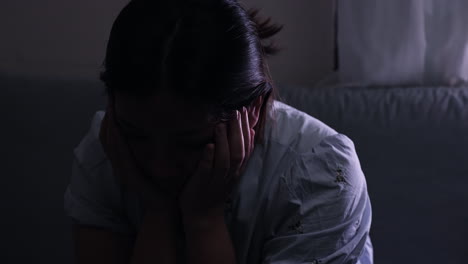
(244, 110)
(237, 114)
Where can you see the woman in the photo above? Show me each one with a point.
(195, 161)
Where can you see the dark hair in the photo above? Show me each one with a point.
(213, 51)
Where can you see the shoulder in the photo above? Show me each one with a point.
(332, 163)
(319, 198)
(321, 174)
(295, 129)
(92, 172)
(93, 196)
(302, 144)
(89, 152)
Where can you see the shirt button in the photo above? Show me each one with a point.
(314, 261)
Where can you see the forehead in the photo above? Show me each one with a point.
(161, 110)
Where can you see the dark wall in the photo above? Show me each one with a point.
(67, 39)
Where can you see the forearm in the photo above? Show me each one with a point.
(208, 241)
(157, 239)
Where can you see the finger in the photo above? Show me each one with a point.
(203, 173)
(221, 153)
(252, 138)
(205, 165)
(246, 133)
(114, 132)
(236, 144)
(116, 147)
(128, 173)
(124, 157)
(252, 144)
(111, 101)
(111, 109)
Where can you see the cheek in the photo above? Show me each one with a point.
(143, 152)
(191, 161)
(186, 161)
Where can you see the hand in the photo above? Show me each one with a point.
(124, 166)
(219, 169)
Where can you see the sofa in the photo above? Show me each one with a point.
(412, 144)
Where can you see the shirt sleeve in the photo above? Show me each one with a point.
(321, 213)
(93, 197)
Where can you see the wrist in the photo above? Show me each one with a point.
(160, 205)
(166, 210)
(204, 221)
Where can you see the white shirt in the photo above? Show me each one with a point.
(302, 199)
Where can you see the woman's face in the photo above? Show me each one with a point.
(165, 134)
